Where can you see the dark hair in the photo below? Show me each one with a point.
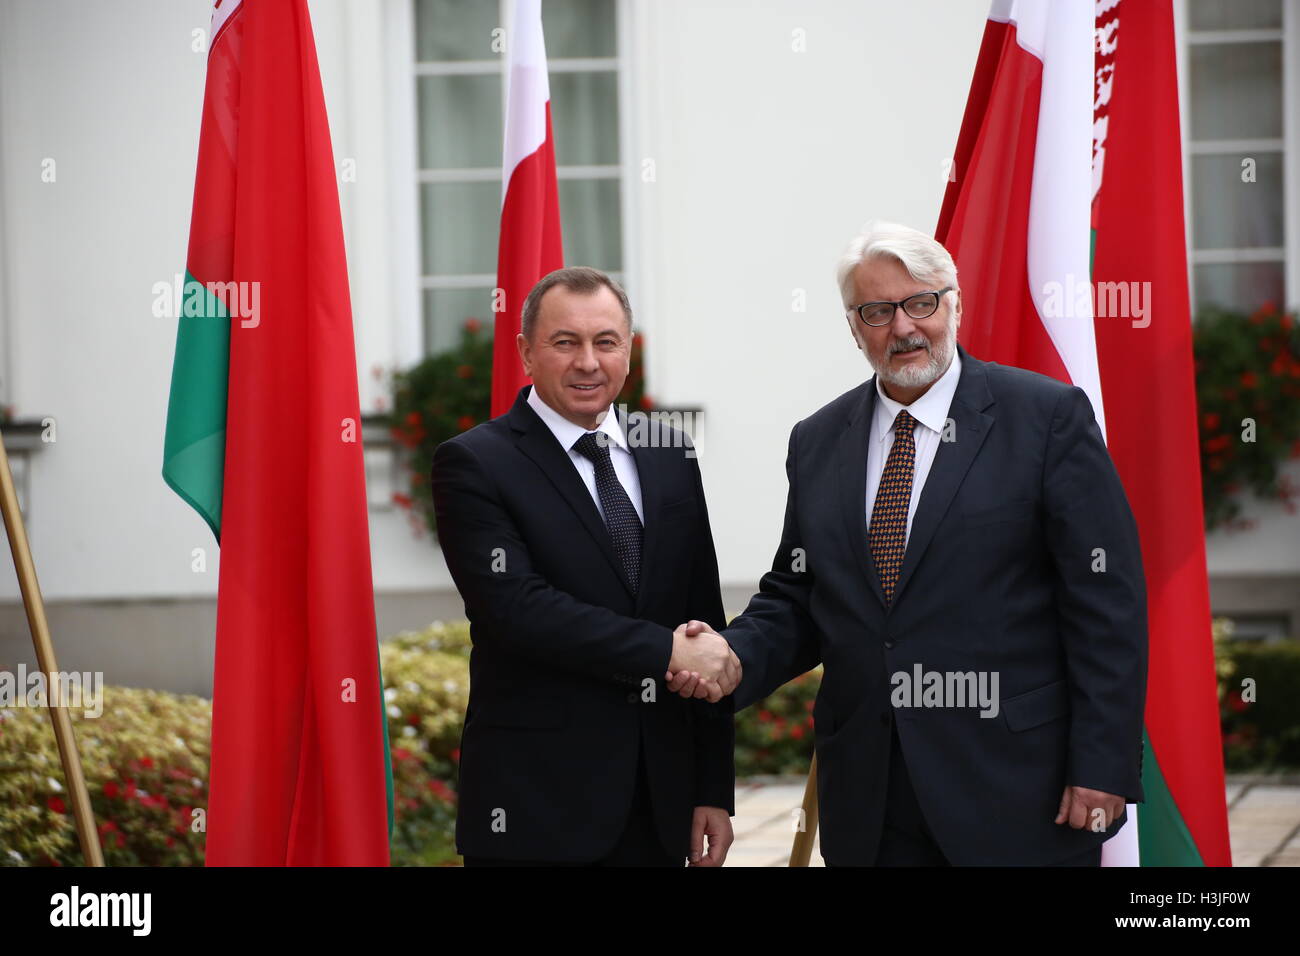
(581, 279)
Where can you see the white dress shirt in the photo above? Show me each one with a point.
(567, 434)
(931, 413)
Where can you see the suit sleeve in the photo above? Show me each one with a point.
(510, 604)
(1100, 600)
(775, 638)
(715, 730)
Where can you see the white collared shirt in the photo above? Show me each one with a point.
(931, 413)
(567, 434)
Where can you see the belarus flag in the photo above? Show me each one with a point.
(1067, 170)
(530, 245)
(263, 440)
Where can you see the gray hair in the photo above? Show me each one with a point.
(924, 258)
(581, 279)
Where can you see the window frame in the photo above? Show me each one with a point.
(1287, 146)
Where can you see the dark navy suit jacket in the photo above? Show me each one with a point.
(567, 667)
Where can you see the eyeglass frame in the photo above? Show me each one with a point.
(937, 293)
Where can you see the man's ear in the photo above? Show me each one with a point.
(957, 308)
(525, 351)
(853, 333)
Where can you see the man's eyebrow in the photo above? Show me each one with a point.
(563, 332)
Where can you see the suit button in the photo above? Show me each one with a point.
(889, 645)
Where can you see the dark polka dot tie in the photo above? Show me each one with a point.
(888, 534)
(620, 515)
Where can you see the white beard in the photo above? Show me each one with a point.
(914, 376)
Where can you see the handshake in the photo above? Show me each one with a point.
(703, 664)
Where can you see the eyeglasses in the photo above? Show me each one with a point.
(919, 306)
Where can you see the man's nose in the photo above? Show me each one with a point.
(586, 358)
(904, 324)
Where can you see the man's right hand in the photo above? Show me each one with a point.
(703, 664)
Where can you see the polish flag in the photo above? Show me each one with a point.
(1068, 169)
(530, 245)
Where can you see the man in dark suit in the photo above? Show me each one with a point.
(577, 544)
(959, 554)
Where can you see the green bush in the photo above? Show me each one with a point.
(1260, 734)
(145, 760)
(426, 690)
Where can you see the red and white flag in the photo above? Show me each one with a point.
(1065, 218)
(530, 244)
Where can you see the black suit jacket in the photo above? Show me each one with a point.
(567, 667)
(999, 575)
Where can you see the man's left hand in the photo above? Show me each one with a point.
(716, 824)
(1094, 809)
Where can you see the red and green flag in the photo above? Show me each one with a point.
(1065, 217)
(263, 439)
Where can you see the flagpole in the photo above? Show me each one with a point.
(801, 851)
(35, 607)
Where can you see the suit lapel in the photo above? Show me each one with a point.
(536, 441)
(854, 444)
(951, 462)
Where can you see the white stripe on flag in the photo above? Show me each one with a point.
(527, 88)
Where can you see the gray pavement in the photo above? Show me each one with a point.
(1263, 821)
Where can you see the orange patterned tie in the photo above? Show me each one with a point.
(888, 534)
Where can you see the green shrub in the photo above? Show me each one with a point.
(145, 760)
(1262, 734)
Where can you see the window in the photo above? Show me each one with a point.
(1237, 127)
(460, 99)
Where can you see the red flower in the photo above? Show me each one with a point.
(1286, 322)
(413, 418)
(472, 326)
(465, 371)
(1217, 443)
(401, 499)
(765, 716)
(1236, 703)
(1210, 421)
(455, 755)
(413, 720)
(796, 731)
(646, 403)
(441, 791)
(1248, 379)
(400, 754)
(56, 804)
(465, 422)
(146, 762)
(111, 789)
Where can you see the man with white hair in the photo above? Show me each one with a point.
(959, 554)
